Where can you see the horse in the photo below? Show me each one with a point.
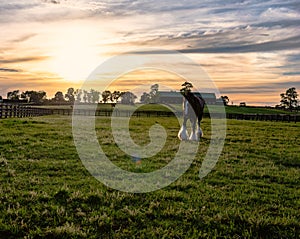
(193, 107)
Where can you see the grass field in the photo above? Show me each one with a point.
(45, 192)
(178, 108)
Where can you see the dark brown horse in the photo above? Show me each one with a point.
(193, 107)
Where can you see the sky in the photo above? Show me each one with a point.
(249, 48)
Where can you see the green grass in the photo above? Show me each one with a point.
(178, 108)
(45, 192)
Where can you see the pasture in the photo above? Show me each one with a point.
(45, 191)
(178, 108)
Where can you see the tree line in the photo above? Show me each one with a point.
(78, 95)
(72, 95)
(289, 99)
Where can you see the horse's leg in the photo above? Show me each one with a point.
(199, 132)
(183, 134)
(193, 135)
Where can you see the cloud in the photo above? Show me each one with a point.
(290, 23)
(52, 1)
(23, 59)
(291, 73)
(290, 43)
(292, 64)
(259, 88)
(23, 38)
(46, 81)
(280, 45)
(8, 70)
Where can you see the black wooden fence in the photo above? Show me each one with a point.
(20, 111)
(10, 111)
(266, 117)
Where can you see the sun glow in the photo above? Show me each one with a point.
(75, 55)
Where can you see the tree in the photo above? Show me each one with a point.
(225, 99)
(1, 99)
(13, 95)
(153, 93)
(128, 98)
(89, 97)
(115, 96)
(95, 96)
(70, 95)
(36, 97)
(145, 98)
(106, 95)
(186, 87)
(289, 99)
(59, 97)
(78, 94)
(85, 96)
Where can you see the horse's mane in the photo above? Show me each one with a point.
(197, 102)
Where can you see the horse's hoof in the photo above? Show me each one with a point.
(183, 134)
(182, 138)
(193, 137)
(200, 133)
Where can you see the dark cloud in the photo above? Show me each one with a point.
(294, 58)
(260, 88)
(9, 70)
(282, 23)
(280, 45)
(290, 43)
(292, 65)
(23, 59)
(51, 1)
(291, 73)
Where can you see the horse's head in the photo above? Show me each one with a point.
(187, 94)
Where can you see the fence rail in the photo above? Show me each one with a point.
(266, 117)
(19, 111)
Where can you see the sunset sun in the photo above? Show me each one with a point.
(75, 56)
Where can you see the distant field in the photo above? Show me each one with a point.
(178, 108)
(45, 192)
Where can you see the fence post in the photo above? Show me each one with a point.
(6, 111)
(10, 111)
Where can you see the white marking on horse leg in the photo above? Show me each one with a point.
(186, 110)
(183, 134)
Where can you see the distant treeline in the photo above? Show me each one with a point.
(78, 95)
(72, 95)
